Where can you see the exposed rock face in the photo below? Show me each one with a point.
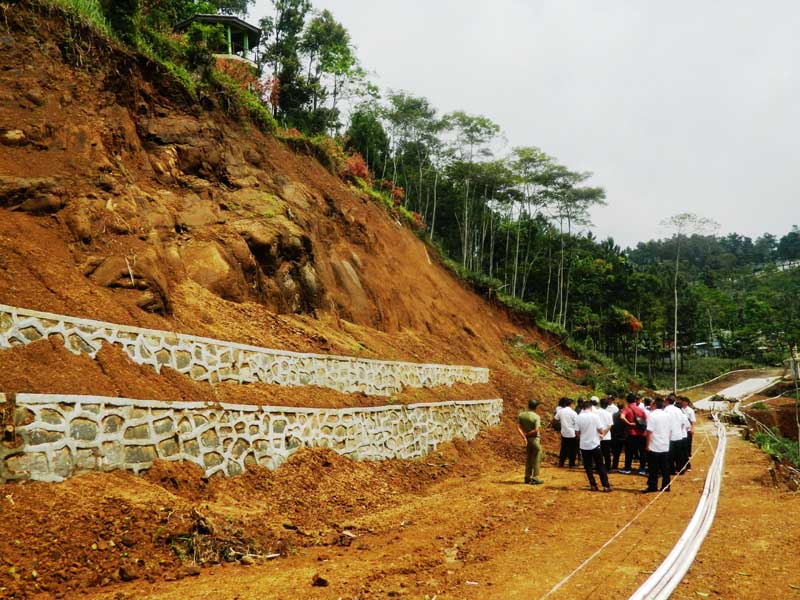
(213, 267)
(143, 274)
(13, 137)
(34, 194)
(116, 155)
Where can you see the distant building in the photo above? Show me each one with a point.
(706, 349)
(240, 36)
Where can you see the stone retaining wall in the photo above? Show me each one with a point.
(58, 436)
(206, 359)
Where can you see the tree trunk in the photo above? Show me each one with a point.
(433, 216)
(675, 324)
(465, 242)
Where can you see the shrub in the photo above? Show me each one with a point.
(202, 42)
(124, 17)
(779, 447)
(241, 102)
(244, 75)
(356, 167)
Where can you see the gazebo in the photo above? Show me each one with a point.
(242, 38)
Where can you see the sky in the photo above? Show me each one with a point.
(679, 106)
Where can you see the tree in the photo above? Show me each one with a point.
(367, 136)
(164, 14)
(682, 225)
(789, 245)
(473, 135)
(328, 50)
(281, 40)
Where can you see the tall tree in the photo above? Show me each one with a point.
(680, 226)
(282, 35)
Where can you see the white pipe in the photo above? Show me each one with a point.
(664, 581)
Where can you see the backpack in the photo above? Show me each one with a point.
(641, 422)
(555, 424)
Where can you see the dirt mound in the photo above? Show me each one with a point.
(104, 528)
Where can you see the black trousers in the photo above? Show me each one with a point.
(658, 464)
(617, 444)
(569, 450)
(605, 449)
(635, 445)
(593, 459)
(689, 450)
(678, 457)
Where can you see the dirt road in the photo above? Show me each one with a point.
(490, 536)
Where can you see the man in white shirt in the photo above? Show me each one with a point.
(659, 430)
(676, 436)
(590, 430)
(612, 407)
(689, 412)
(605, 444)
(569, 444)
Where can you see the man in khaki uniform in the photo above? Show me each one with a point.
(529, 426)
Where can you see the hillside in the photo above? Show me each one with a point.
(122, 200)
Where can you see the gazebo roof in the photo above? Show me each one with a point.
(253, 32)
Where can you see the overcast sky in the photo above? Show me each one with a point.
(674, 106)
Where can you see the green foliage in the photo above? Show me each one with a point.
(241, 103)
(789, 245)
(125, 17)
(325, 149)
(779, 447)
(367, 136)
(89, 11)
(203, 42)
(759, 406)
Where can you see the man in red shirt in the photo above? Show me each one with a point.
(635, 419)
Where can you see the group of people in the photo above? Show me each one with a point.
(655, 433)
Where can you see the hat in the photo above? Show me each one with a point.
(594, 399)
(532, 404)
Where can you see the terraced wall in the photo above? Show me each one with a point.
(58, 436)
(206, 359)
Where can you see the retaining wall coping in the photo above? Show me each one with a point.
(194, 338)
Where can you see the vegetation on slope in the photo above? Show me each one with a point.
(514, 227)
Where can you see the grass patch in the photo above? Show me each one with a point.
(88, 11)
(779, 447)
(325, 149)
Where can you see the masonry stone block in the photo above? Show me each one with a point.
(210, 439)
(83, 429)
(168, 448)
(23, 416)
(27, 465)
(191, 447)
(140, 454)
(38, 437)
